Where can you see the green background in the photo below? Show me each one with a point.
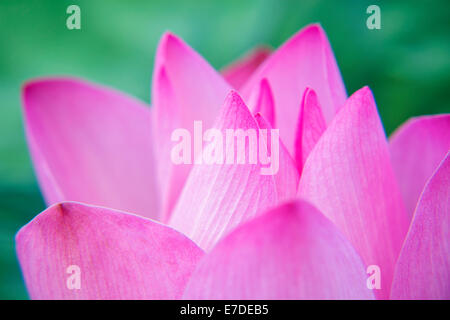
(406, 64)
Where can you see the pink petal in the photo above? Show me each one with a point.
(261, 101)
(305, 60)
(185, 88)
(217, 197)
(311, 125)
(167, 119)
(287, 177)
(416, 148)
(423, 268)
(119, 255)
(348, 176)
(239, 71)
(91, 144)
(291, 252)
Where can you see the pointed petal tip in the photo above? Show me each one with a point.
(309, 93)
(50, 210)
(31, 85)
(309, 97)
(282, 247)
(315, 26)
(311, 125)
(313, 29)
(364, 92)
(261, 121)
(262, 101)
(363, 99)
(311, 53)
(259, 118)
(233, 97)
(168, 37)
(167, 41)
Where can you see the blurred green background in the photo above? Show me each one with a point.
(406, 64)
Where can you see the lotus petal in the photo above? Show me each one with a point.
(423, 268)
(75, 251)
(349, 178)
(218, 197)
(91, 144)
(417, 148)
(185, 89)
(305, 60)
(239, 71)
(291, 252)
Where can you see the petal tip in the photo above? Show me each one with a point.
(233, 97)
(167, 37)
(168, 40)
(309, 94)
(314, 29)
(364, 95)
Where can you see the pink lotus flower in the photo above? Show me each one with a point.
(343, 199)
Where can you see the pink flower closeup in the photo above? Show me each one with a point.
(139, 226)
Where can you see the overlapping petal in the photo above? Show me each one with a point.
(423, 268)
(311, 125)
(75, 251)
(185, 88)
(305, 60)
(261, 101)
(238, 72)
(287, 177)
(218, 197)
(91, 144)
(291, 252)
(416, 149)
(349, 178)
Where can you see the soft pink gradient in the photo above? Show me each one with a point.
(261, 101)
(239, 71)
(287, 177)
(120, 255)
(422, 268)
(91, 144)
(417, 148)
(311, 125)
(305, 60)
(349, 178)
(342, 199)
(216, 198)
(297, 251)
(185, 88)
